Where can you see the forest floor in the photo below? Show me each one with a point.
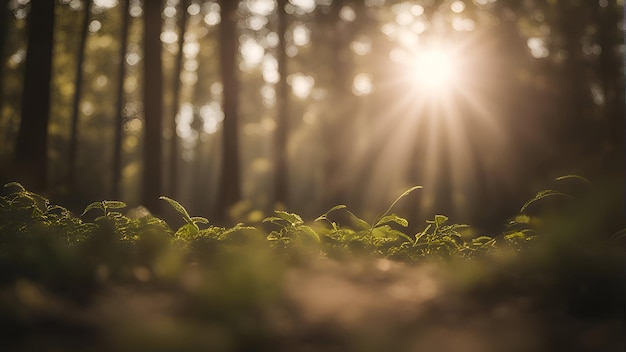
(323, 305)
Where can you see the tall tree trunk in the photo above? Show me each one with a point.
(201, 172)
(32, 139)
(336, 128)
(78, 92)
(229, 192)
(608, 65)
(153, 109)
(119, 119)
(281, 189)
(174, 145)
(4, 19)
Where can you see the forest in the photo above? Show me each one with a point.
(304, 175)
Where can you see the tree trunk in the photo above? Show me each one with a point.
(174, 145)
(229, 192)
(153, 110)
(282, 125)
(4, 19)
(78, 92)
(32, 139)
(336, 129)
(119, 120)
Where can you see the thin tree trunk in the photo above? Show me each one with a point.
(119, 119)
(78, 92)
(229, 192)
(608, 65)
(200, 172)
(4, 19)
(282, 126)
(174, 146)
(153, 110)
(32, 139)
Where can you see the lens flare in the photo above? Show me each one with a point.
(434, 69)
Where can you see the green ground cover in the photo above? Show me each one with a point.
(118, 280)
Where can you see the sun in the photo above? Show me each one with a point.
(439, 128)
(434, 69)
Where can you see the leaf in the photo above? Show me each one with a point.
(421, 234)
(576, 177)
(392, 218)
(273, 220)
(94, 205)
(482, 240)
(63, 211)
(113, 204)
(359, 223)
(514, 235)
(440, 219)
(239, 227)
(15, 184)
(387, 231)
(187, 231)
(541, 195)
(41, 202)
(293, 219)
(325, 215)
(179, 208)
(406, 193)
(309, 231)
(199, 220)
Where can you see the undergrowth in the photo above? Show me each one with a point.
(560, 244)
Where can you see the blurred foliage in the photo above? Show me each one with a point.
(129, 282)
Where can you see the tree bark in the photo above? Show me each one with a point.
(78, 92)
(32, 140)
(174, 145)
(229, 192)
(4, 19)
(119, 119)
(153, 110)
(281, 189)
(337, 127)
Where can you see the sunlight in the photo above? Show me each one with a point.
(435, 131)
(107, 4)
(434, 69)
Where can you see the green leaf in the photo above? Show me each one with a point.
(387, 231)
(309, 231)
(440, 219)
(94, 205)
(406, 193)
(187, 231)
(392, 218)
(273, 220)
(325, 215)
(293, 219)
(113, 204)
(179, 208)
(541, 195)
(15, 184)
(575, 177)
(199, 220)
(39, 201)
(421, 234)
(359, 223)
(483, 240)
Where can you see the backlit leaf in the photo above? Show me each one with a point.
(179, 208)
(392, 218)
(94, 205)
